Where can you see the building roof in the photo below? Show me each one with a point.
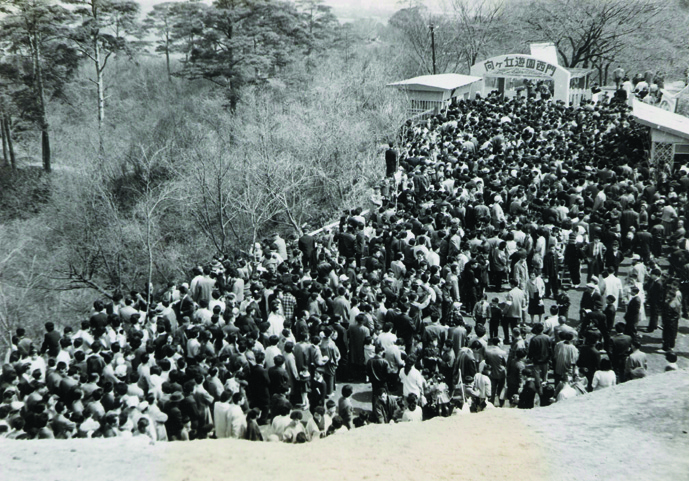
(575, 72)
(660, 119)
(436, 83)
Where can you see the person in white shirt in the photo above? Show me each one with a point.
(481, 389)
(295, 427)
(550, 323)
(611, 285)
(220, 417)
(413, 381)
(216, 301)
(276, 320)
(203, 314)
(387, 338)
(272, 350)
(63, 355)
(604, 377)
(280, 424)
(413, 413)
(235, 419)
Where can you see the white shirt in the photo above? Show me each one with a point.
(63, 356)
(412, 416)
(387, 339)
(612, 285)
(603, 379)
(276, 322)
(412, 382)
(236, 422)
(271, 352)
(567, 392)
(220, 411)
(550, 324)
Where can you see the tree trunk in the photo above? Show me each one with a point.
(149, 247)
(99, 81)
(605, 75)
(167, 64)
(5, 160)
(42, 117)
(10, 146)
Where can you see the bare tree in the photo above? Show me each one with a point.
(413, 26)
(588, 31)
(155, 199)
(211, 202)
(19, 277)
(478, 26)
(256, 205)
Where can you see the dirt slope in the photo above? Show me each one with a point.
(634, 431)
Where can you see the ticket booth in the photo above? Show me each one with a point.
(669, 134)
(429, 94)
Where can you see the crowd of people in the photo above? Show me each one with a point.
(451, 294)
(647, 87)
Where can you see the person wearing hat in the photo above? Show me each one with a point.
(175, 419)
(633, 313)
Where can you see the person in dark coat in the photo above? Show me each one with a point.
(589, 359)
(51, 340)
(672, 310)
(253, 431)
(259, 388)
(631, 317)
(390, 161)
(307, 246)
(357, 334)
(377, 370)
(346, 244)
(621, 346)
(279, 379)
(551, 273)
(385, 407)
(190, 409)
(540, 352)
(644, 243)
(656, 297)
(573, 256)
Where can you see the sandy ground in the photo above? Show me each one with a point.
(634, 431)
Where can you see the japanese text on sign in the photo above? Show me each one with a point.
(521, 63)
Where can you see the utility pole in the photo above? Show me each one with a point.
(432, 27)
